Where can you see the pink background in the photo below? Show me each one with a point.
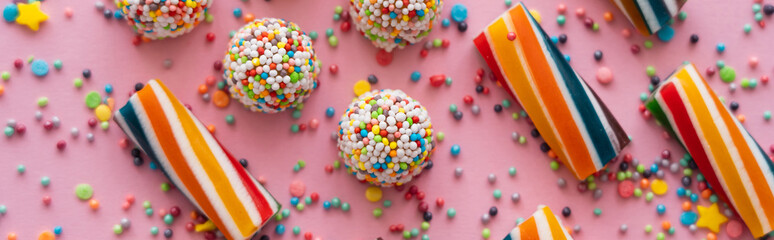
(88, 40)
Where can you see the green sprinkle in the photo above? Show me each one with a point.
(9, 131)
(682, 16)
(6, 76)
(294, 128)
(209, 18)
(453, 108)
(648, 228)
(713, 198)
(640, 168)
(329, 32)
(720, 63)
(336, 16)
(336, 164)
(561, 19)
(104, 125)
(168, 219)
(165, 187)
(485, 233)
(377, 212)
(687, 172)
(497, 194)
(406, 234)
(437, 42)
(149, 212)
(451, 213)
(45, 181)
(84, 191)
(333, 41)
(296, 230)
(146, 204)
(414, 232)
(154, 231)
(637, 192)
(649, 196)
(58, 64)
(651, 71)
(747, 28)
(508, 3)
(3, 209)
(278, 217)
(660, 236)
(314, 35)
(767, 115)
(21, 168)
(440, 136)
(285, 213)
(42, 102)
(512, 171)
(117, 229)
(78, 82)
(506, 103)
(597, 211)
(338, 9)
(300, 206)
(727, 74)
(230, 119)
(425, 226)
(554, 165)
(448, 81)
(648, 44)
(515, 116)
(758, 16)
(345, 207)
(595, 27)
(522, 140)
(387, 204)
(592, 186)
(296, 168)
(620, 176)
(643, 97)
(301, 163)
(296, 114)
(756, 8)
(335, 202)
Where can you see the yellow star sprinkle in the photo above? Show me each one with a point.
(710, 217)
(30, 15)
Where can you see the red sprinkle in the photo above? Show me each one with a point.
(439, 202)
(334, 68)
(467, 99)
(20, 128)
(345, 26)
(46, 200)
(314, 196)
(413, 189)
(420, 195)
(308, 236)
(408, 196)
(711, 71)
(626, 188)
(445, 43)
(328, 168)
(422, 206)
(635, 49)
(218, 65)
(424, 53)
(437, 80)
(175, 211)
(48, 125)
(383, 57)
(61, 144)
(18, 63)
(190, 226)
(210, 36)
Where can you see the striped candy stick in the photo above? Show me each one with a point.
(543, 224)
(734, 164)
(568, 114)
(208, 175)
(649, 16)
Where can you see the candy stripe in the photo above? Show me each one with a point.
(649, 16)
(568, 114)
(196, 162)
(730, 159)
(543, 224)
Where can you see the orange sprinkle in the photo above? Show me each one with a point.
(711, 236)
(2, 90)
(551, 154)
(194, 215)
(47, 235)
(644, 183)
(94, 204)
(220, 99)
(12, 236)
(202, 88)
(608, 16)
(687, 206)
(741, 118)
(249, 17)
(706, 193)
(666, 225)
(211, 128)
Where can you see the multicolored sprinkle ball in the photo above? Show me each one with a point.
(159, 20)
(271, 65)
(385, 137)
(389, 24)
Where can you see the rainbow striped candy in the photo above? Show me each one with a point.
(195, 162)
(735, 166)
(649, 16)
(543, 224)
(567, 113)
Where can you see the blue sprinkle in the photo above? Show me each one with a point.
(238, 13)
(10, 12)
(39, 68)
(661, 209)
(327, 205)
(555, 39)
(567, 57)
(666, 34)
(459, 12)
(153, 165)
(721, 47)
(680, 192)
(445, 22)
(117, 14)
(688, 218)
(654, 168)
(330, 112)
(694, 197)
(280, 229)
(58, 230)
(415, 76)
(108, 88)
(294, 201)
(455, 150)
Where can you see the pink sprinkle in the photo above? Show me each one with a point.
(604, 75)
(561, 8)
(46, 200)
(665, 135)
(48, 125)
(162, 212)
(753, 62)
(580, 12)
(511, 36)
(734, 228)
(125, 206)
(328, 168)
(129, 198)
(711, 71)
(123, 143)
(210, 80)
(261, 179)
(626, 33)
(334, 68)
(297, 188)
(635, 49)
(314, 123)
(68, 12)
(21, 129)
(764, 80)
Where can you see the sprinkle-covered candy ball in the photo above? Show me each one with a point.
(156, 19)
(385, 138)
(394, 23)
(270, 65)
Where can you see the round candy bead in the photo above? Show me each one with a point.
(455, 150)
